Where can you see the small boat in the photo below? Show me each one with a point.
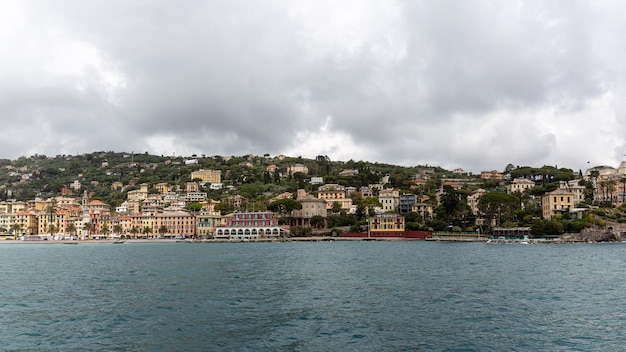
(118, 242)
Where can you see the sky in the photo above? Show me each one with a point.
(474, 84)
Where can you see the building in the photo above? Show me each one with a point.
(311, 206)
(174, 224)
(407, 201)
(206, 223)
(576, 188)
(162, 187)
(390, 199)
(207, 176)
(250, 226)
(317, 180)
(556, 202)
(425, 210)
(474, 198)
(331, 192)
(297, 168)
(138, 194)
(492, 175)
(519, 185)
(387, 224)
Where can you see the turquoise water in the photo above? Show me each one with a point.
(322, 296)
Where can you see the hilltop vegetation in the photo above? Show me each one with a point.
(41, 176)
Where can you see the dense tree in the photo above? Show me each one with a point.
(317, 221)
(498, 206)
(284, 206)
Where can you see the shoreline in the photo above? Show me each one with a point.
(161, 240)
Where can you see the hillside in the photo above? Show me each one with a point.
(41, 176)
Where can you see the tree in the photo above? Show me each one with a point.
(194, 207)
(71, 229)
(499, 206)
(284, 206)
(317, 221)
(117, 229)
(15, 228)
(336, 207)
(134, 231)
(89, 227)
(162, 230)
(147, 230)
(104, 229)
(51, 211)
(52, 229)
(450, 201)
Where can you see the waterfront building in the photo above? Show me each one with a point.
(250, 226)
(311, 206)
(206, 223)
(387, 224)
(174, 225)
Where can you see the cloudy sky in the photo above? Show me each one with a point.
(471, 84)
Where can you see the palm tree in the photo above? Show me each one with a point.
(162, 230)
(134, 231)
(117, 229)
(147, 230)
(71, 228)
(104, 229)
(15, 228)
(52, 229)
(51, 210)
(89, 227)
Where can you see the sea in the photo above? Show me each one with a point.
(313, 296)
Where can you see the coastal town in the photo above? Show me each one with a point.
(253, 198)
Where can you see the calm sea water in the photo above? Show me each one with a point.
(323, 296)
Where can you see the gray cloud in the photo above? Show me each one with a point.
(475, 85)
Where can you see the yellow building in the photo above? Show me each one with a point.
(162, 187)
(206, 222)
(138, 194)
(207, 176)
(387, 223)
(556, 202)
